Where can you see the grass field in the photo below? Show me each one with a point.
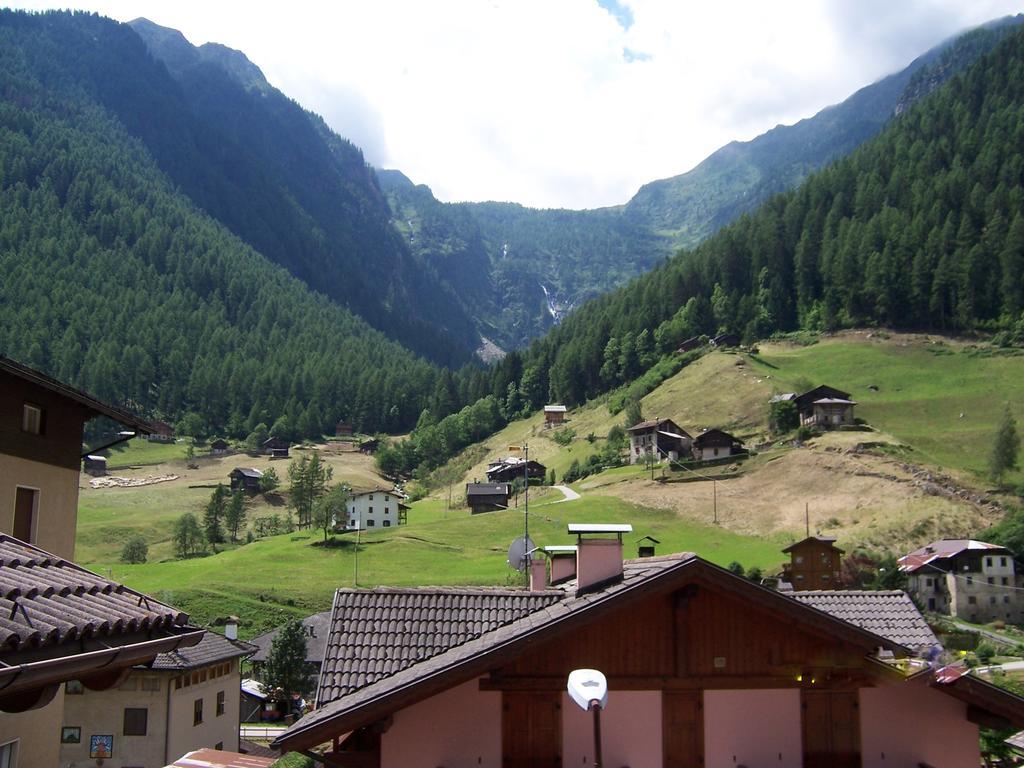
(942, 398)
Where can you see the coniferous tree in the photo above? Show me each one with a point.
(286, 671)
(213, 517)
(234, 516)
(187, 536)
(1005, 447)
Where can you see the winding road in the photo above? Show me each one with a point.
(567, 492)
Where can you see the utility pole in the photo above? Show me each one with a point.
(355, 580)
(807, 518)
(526, 503)
(714, 498)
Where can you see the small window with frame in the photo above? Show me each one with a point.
(136, 720)
(32, 419)
(74, 688)
(197, 712)
(220, 703)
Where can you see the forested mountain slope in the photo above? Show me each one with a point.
(922, 227)
(530, 267)
(116, 281)
(271, 172)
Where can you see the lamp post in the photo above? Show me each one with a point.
(589, 689)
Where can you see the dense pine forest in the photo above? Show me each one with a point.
(117, 282)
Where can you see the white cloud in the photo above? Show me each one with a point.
(560, 103)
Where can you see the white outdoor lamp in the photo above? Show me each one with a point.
(589, 689)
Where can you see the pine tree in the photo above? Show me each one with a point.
(309, 477)
(286, 671)
(1005, 448)
(235, 515)
(213, 518)
(187, 536)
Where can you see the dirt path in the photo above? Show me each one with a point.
(567, 492)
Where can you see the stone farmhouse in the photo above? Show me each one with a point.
(973, 580)
(661, 437)
(704, 669)
(823, 406)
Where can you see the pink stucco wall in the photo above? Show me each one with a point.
(563, 567)
(630, 731)
(909, 723)
(597, 560)
(459, 728)
(752, 728)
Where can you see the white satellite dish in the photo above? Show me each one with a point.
(517, 552)
(588, 688)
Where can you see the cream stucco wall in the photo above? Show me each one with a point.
(459, 728)
(214, 729)
(37, 733)
(752, 728)
(102, 712)
(57, 510)
(908, 723)
(630, 731)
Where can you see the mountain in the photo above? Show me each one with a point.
(919, 228)
(531, 267)
(118, 281)
(276, 176)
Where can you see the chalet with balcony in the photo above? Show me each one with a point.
(487, 497)
(715, 444)
(704, 669)
(246, 479)
(825, 407)
(511, 468)
(973, 580)
(814, 563)
(660, 438)
(276, 447)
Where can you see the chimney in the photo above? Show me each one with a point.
(538, 574)
(598, 557)
(231, 628)
(563, 562)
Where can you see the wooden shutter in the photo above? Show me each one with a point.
(531, 729)
(831, 729)
(682, 729)
(24, 511)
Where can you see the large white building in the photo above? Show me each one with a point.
(375, 509)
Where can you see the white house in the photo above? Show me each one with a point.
(375, 509)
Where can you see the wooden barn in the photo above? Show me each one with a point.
(276, 447)
(825, 407)
(554, 415)
(715, 444)
(245, 479)
(487, 497)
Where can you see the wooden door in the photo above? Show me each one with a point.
(531, 729)
(831, 729)
(682, 729)
(24, 513)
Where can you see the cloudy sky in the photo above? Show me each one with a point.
(562, 103)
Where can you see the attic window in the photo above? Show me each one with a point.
(31, 419)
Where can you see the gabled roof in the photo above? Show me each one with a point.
(390, 491)
(487, 489)
(212, 649)
(889, 614)
(943, 549)
(834, 401)
(820, 391)
(377, 633)
(97, 407)
(317, 626)
(248, 472)
(396, 685)
(652, 424)
(714, 434)
(812, 540)
(59, 621)
(555, 409)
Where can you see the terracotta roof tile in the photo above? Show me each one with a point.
(890, 614)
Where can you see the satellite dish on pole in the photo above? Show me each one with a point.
(517, 552)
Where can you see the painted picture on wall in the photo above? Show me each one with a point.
(70, 734)
(101, 746)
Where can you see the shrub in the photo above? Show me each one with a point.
(985, 651)
(135, 550)
(563, 436)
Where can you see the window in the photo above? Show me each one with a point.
(219, 745)
(992, 600)
(931, 603)
(970, 580)
(927, 582)
(9, 754)
(1006, 599)
(991, 580)
(387, 523)
(971, 601)
(988, 562)
(177, 683)
(1005, 581)
(130, 684)
(386, 497)
(1002, 561)
(371, 497)
(26, 503)
(220, 703)
(197, 712)
(370, 523)
(135, 721)
(74, 688)
(369, 510)
(798, 559)
(32, 419)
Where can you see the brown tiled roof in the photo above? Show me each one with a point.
(377, 633)
(212, 649)
(418, 679)
(889, 614)
(809, 539)
(317, 626)
(942, 549)
(47, 601)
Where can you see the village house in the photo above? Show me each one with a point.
(316, 629)
(514, 468)
(276, 447)
(704, 668)
(219, 447)
(823, 406)
(694, 342)
(487, 497)
(554, 415)
(162, 432)
(715, 444)
(343, 429)
(814, 563)
(95, 465)
(661, 438)
(184, 700)
(41, 431)
(726, 340)
(245, 479)
(369, 446)
(377, 508)
(969, 579)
